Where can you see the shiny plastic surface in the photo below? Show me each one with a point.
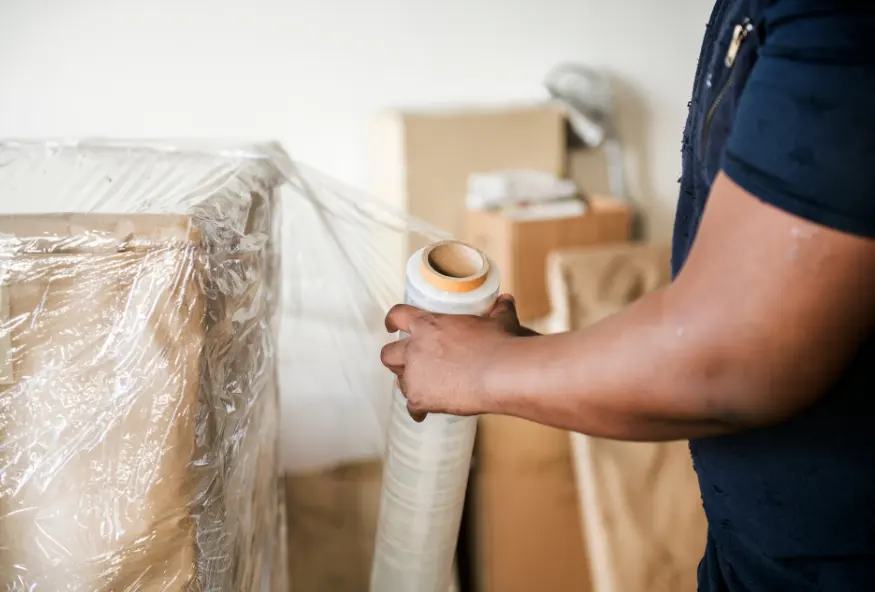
(138, 408)
(145, 314)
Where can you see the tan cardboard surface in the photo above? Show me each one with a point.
(108, 437)
(138, 429)
(421, 160)
(526, 516)
(332, 525)
(520, 247)
(588, 168)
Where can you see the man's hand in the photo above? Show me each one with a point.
(440, 366)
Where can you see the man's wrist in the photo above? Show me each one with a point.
(526, 332)
(498, 375)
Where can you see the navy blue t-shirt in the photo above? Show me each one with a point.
(784, 103)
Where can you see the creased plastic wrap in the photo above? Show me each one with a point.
(148, 323)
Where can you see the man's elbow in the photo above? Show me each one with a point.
(745, 392)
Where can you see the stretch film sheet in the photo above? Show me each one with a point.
(162, 305)
(427, 463)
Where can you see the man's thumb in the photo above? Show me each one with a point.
(504, 311)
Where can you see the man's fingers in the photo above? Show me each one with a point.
(400, 316)
(393, 356)
(417, 416)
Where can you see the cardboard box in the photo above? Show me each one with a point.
(332, 522)
(75, 342)
(420, 160)
(520, 247)
(526, 521)
(332, 526)
(586, 285)
(588, 168)
(126, 353)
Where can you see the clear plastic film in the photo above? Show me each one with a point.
(345, 269)
(427, 463)
(162, 311)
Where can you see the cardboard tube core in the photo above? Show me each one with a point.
(454, 266)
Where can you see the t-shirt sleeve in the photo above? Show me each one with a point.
(803, 138)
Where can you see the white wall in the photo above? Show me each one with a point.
(311, 73)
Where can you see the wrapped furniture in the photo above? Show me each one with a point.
(138, 393)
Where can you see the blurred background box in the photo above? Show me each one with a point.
(525, 519)
(520, 246)
(332, 528)
(421, 159)
(588, 168)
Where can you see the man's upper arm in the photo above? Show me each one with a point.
(781, 279)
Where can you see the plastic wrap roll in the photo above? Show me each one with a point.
(427, 464)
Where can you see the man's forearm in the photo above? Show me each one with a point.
(639, 375)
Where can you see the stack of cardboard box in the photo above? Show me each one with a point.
(421, 165)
